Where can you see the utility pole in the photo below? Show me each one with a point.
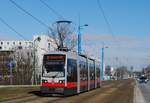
(79, 37)
(34, 70)
(103, 64)
(79, 40)
(11, 65)
(34, 81)
(11, 75)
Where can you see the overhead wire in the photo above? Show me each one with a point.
(52, 10)
(106, 20)
(55, 12)
(28, 13)
(14, 30)
(35, 18)
(10, 27)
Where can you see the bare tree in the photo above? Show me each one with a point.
(4, 69)
(24, 67)
(121, 72)
(146, 70)
(63, 36)
(108, 70)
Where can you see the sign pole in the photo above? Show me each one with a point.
(11, 75)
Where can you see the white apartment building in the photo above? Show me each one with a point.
(40, 44)
(8, 45)
(43, 44)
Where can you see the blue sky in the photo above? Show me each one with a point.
(129, 20)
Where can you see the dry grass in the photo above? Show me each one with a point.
(16, 92)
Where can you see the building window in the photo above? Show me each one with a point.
(30, 44)
(49, 46)
(26, 43)
(19, 47)
(1, 43)
(0, 47)
(7, 43)
(19, 43)
(14, 43)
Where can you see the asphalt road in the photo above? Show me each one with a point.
(143, 92)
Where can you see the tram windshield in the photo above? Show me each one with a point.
(53, 65)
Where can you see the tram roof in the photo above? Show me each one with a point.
(71, 53)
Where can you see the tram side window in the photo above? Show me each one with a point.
(98, 71)
(81, 66)
(90, 67)
(72, 70)
(83, 70)
(92, 73)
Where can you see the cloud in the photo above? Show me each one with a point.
(120, 42)
(105, 37)
(136, 49)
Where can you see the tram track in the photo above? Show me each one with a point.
(36, 98)
(31, 99)
(107, 93)
(80, 98)
(20, 99)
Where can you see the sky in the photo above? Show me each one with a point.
(129, 21)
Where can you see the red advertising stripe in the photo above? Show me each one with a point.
(71, 84)
(83, 83)
(51, 84)
(92, 81)
(54, 84)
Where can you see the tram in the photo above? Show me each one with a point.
(68, 73)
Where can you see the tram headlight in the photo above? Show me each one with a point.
(61, 81)
(44, 81)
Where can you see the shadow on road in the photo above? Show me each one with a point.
(38, 93)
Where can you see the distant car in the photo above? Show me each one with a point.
(143, 79)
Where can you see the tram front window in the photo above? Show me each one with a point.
(54, 66)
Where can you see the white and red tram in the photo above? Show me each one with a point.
(68, 73)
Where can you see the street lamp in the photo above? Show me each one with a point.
(103, 61)
(79, 37)
(34, 63)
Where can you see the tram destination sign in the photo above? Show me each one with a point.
(54, 59)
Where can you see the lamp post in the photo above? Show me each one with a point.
(103, 50)
(79, 37)
(34, 63)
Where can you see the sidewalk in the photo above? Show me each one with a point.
(138, 96)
